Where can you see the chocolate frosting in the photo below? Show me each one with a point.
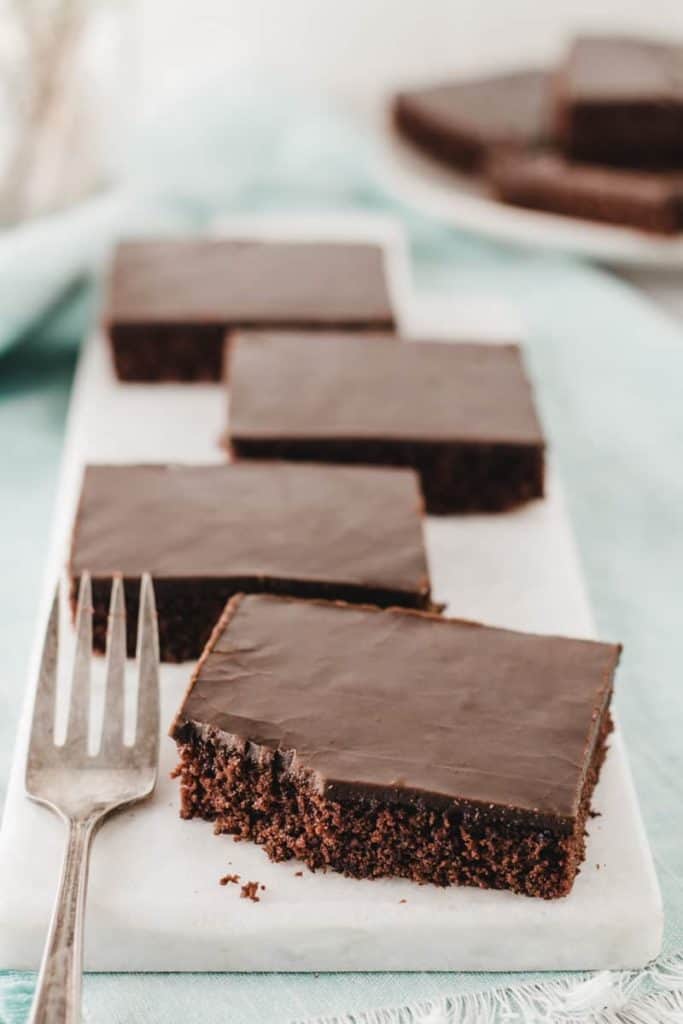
(384, 389)
(246, 282)
(500, 110)
(352, 525)
(609, 185)
(392, 703)
(623, 69)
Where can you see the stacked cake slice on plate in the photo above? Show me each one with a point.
(599, 137)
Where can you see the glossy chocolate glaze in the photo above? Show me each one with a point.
(463, 122)
(207, 281)
(331, 525)
(387, 390)
(397, 704)
(623, 69)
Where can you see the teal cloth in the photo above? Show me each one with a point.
(609, 373)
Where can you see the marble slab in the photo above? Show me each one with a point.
(154, 900)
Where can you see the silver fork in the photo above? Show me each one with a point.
(83, 788)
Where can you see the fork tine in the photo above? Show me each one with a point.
(113, 724)
(147, 720)
(79, 710)
(43, 723)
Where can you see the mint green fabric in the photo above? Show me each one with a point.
(609, 373)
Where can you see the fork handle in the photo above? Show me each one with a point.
(58, 990)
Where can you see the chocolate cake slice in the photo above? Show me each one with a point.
(463, 123)
(384, 742)
(649, 200)
(461, 414)
(170, 302)
(620, 101)
(206, 532)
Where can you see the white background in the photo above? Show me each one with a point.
(358, 48)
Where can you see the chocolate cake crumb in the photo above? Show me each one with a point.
(248, 892)
(265, 512)
(403, 901)
(467, 421)
(461, 122)
(170, 302)
(438, 847)
(298, 874)
(439, 827)
(229, 878)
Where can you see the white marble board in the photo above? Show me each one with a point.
(154, 900)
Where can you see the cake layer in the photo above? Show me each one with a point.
(620, 100)
(373, 838)
(650, 200)
(463, 123)
(205, 532)
(461, 414)
(389, 742)
(170, 302)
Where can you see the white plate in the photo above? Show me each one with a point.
(154, 900)
(462, 202)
